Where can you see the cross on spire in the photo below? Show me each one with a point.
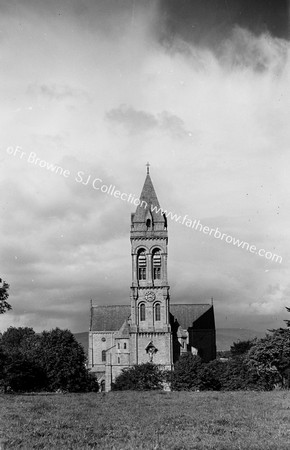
(148, 165)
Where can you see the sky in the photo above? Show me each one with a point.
(98, 88)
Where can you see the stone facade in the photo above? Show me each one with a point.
(149, 329)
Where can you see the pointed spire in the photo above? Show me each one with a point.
(149, 200)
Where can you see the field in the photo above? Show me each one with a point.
(146, 420)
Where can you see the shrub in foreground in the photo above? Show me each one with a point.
(23, 375)
(140, 377)
(185, 375)
(210, 376)
(238, 373)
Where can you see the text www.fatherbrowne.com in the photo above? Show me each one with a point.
(217, 234)
(96, 184)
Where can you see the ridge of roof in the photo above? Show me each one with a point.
(191, 304)
(108, 306)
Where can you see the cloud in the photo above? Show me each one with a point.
(136, 122)
(260, 53)
(57, 92)
(173, 125)
(207, 25)
(213, 122)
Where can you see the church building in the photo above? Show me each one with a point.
(149, 328)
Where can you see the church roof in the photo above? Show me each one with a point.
(109, 318)
(112, 318)
(148, 200)
(124, 331)
(196, 315)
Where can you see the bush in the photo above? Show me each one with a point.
(185, 375)
(22, 375)
(235, 374)
(140, 377)
(238, 375)
(210, 376)
(92, 384)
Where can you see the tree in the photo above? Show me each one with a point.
(241, 347)
(47, 361)
(4, 305)
(3, 359)
(23, 375)
(62, 359)
(21, 371)
(141, 377)
(270, 357)
(19, 340)
(287, 320)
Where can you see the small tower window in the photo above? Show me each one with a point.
(157, 312)
(157, 273)
(142, 312)
(118, 360)
(148, 223)
(103, 355)
(142, 273)
(157, 265)
(142, 265)
(125, 345)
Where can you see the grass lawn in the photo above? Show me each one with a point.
(147, 420)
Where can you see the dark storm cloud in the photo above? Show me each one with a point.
(208, 22)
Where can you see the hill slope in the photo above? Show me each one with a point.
(225, 337)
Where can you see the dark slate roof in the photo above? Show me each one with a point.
(148, 195)
(112, 318)
(188, 315)
(109, 318)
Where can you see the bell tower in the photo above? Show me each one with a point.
(150, 329)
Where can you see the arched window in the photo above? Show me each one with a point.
(156, 262)
(142, 265)
(142, 312)
(103, 355)
(148, 223)
(157, 312)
